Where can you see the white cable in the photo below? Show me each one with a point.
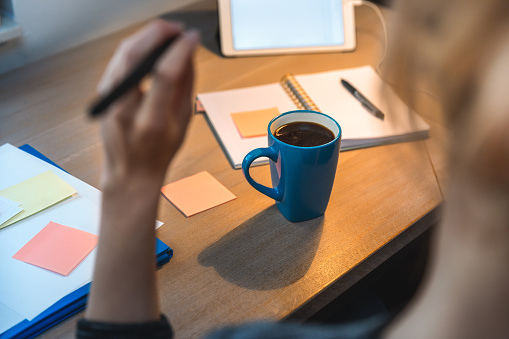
(382, 20)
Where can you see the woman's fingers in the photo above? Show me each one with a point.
(130, 53)
(168, 101)
(142, 131)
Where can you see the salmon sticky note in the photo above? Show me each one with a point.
(57, 248)
(197, 193)
(254, 123)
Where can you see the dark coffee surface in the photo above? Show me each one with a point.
(304, 134)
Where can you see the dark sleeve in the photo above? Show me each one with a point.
(96, 330)
(370, 328)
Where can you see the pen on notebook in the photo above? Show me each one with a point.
(372, 109)
(133, 79)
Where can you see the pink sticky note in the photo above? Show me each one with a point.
(57, 248)
(197, 193)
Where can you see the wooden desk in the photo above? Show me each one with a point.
(241, 261)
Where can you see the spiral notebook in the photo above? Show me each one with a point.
(321, 92)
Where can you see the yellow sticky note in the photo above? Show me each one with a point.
(197, 193)
(37, 194)
(254, 123)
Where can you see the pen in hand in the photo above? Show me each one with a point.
(372, 109)
(133, 79)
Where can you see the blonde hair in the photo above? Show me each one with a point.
(444, 43)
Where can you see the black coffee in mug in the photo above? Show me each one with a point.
(304, 134)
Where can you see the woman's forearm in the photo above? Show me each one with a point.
(124, 288)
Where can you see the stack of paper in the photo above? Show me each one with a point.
(38, 290)
(27, 290)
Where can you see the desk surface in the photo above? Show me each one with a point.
(242, 260)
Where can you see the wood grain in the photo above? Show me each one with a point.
(240, 261)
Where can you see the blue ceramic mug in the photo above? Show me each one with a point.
(302, 177)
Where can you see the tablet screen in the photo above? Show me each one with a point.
(266, 24)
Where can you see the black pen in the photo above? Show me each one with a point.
(133, 79)
(362, 99)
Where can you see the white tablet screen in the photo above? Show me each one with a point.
(265, 24)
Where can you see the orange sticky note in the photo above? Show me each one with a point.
(197, 193)
(57, 248)
(198, 107)
(254, 123)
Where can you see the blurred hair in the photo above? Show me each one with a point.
(444, 43)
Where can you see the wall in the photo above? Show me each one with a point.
(51, 26)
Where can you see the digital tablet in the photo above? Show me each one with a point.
(262, 27)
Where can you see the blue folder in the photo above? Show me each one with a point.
(71, 303)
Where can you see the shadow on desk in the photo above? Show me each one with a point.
(283, 251)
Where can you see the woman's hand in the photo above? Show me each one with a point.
(143, 131)
(141, 134)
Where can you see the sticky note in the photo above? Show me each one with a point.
(254, 123)
(197, 193)
(57, 248)
(37, 194)
(198, 106)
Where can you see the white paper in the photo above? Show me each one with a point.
(355, 121)
(8, 318)
(219, 106)
(32, 289)
(8, 209)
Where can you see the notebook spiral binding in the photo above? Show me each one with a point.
(297, 93)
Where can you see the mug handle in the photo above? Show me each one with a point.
(274, 193)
